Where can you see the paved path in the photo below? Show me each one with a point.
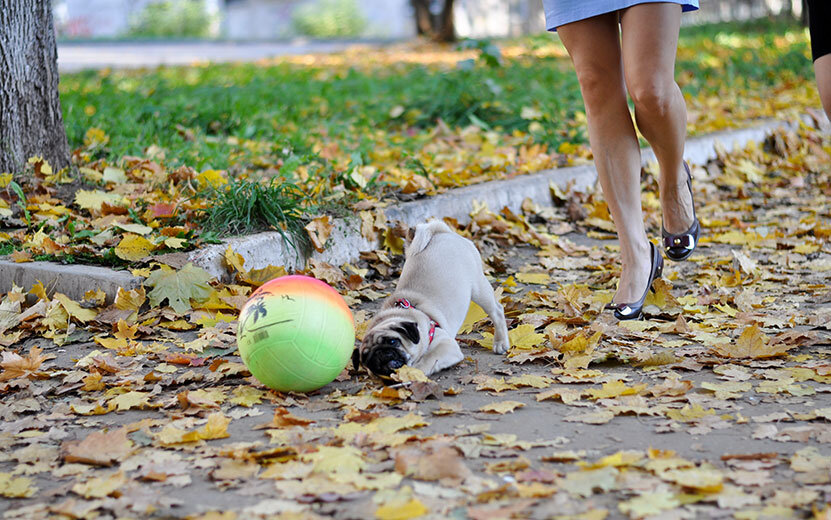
(73, 57)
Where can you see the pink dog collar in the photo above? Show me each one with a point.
(405, 304)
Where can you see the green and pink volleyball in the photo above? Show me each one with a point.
(296, 334)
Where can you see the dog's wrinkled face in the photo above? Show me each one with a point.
(388, 345)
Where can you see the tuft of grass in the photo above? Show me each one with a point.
(250, 205)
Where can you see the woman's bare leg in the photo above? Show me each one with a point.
(822, 69)
(649, 42)
(594, 47)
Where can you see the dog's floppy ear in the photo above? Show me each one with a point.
(356, 358)
(408, 329)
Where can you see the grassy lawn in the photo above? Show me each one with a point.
(207, 116)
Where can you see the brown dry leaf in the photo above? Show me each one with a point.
(438, 461)
(99, 448)
(284, 419)
(258, 277)
(319, 230)
(14, 365)
(130, 300)
(100, 487)
(753, 344)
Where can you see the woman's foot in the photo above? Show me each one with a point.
(630, 310)
(679, 245)
(677, 203)
(634, 273)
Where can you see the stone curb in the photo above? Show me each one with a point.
(71, 280)
(346, 242)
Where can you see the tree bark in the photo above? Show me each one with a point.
(423, 18)
(438, 27)
(447, 29)
(31, 122)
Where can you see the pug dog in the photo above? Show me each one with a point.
(418, 323)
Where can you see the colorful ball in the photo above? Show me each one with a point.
(295, 334)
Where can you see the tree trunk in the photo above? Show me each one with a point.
(31, 122)
(447, 29)
(438, 27)
(423, 18)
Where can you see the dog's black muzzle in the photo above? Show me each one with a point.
(383, 361)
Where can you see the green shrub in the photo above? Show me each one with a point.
(169, 19)
(329, 19)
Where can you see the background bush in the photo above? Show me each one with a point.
(166, 19)
(329, 19)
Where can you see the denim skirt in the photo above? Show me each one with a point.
(561, 12)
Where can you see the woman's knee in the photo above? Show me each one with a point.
(598, 85)
(652, 96)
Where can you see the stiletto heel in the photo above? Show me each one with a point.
(680, 246)
(631, 311)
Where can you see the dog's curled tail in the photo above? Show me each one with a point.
(423, 233)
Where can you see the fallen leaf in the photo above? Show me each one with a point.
(501, 407)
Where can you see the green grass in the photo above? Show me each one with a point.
(246, 206)
(191, 112)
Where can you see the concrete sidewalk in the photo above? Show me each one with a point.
(73, 57)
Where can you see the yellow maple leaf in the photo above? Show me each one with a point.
(700, 479)
(12, 486)
(534, 278)
(213, 178)
(333, 459)
(524, 337)
(530, 380)
(649, 504)
(215, 428)
(129, 401)
(393, 242)
(615, 460)
(125, 331)
(133, 248)
(754, 344)
(75, 310)
(501, 407)
(475, 314)
(407, 374)
(495, 384)
(247, 396)
(130, 300)
(132, 227)
(99, 487)
(39, 291)
(689, 414)
(117, 344)
(234, 260)
(615, 388)
(401, 510)
(92, 200)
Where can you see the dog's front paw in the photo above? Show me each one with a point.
(500, 347)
